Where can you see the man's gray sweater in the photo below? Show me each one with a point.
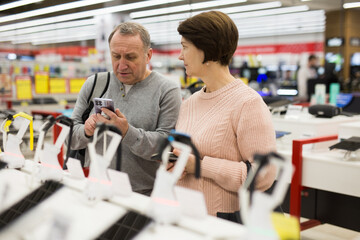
(151, 108)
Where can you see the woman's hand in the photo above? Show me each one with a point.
(190, 165)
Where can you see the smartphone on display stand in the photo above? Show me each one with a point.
(103, 103)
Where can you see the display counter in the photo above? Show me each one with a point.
(79, 218)
(326, 184)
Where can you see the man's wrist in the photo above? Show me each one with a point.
(87, 136)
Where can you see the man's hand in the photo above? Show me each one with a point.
(90, 125)
(116, 118)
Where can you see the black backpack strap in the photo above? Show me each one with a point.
(98, 89)
(107, 84)
(92, 89)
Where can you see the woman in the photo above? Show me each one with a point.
(227, 121)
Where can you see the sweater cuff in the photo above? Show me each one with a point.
(209, 167)
(83, 137)
(130, 137)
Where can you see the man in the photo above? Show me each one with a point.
(304, 74)
(146, 106)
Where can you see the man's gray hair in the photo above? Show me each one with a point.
(132, 28)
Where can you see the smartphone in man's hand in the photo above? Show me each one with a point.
(103, 103)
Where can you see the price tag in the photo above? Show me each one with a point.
(120, 183)
(41, 83)
(75, 169)
(293, 112)
(57, 85)
(192, 203)
(76, 84)
(23, 87)
(307, 147)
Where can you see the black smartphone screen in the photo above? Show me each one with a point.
(127, 227)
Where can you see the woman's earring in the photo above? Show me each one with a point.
(207, 64)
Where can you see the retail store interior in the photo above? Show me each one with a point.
(49, 48)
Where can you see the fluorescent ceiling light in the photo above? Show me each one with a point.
(162, 26)
(300, 17)
(182, 8)
(173, 40)
(228, 10)
(18, 4)
(279, 27)
(88, 36)
(270, 12)
(352, 5)
(169, 39)
(313, 15)
(254, 30)
(52, 34)
(282, 32)
(85, 14)
(165, 18)
(252, 7)
(48, 27)
(272, 25)
(52, 9)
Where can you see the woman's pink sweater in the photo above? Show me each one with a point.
(227, 126)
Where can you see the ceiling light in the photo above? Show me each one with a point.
(48, 27)
(182, 8)
(282, 32)
(351, 5)
(252, 7)
(76, 38)
(254, 30)
(294, 20)
(228, 10)
(18, 4)
(172, 39)
(291, 23)
(52, 34)
(270, 12)
(303, 17)
(299, 17)
(314, 15)
(85, 14)
(52, 9)
(279, 29)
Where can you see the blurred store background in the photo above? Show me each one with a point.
(48, 48)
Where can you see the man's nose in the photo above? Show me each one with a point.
(122, 64)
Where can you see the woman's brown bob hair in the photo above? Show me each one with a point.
(212, 32)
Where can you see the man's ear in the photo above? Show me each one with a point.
(149, 55)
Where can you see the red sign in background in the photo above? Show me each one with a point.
(266, 49)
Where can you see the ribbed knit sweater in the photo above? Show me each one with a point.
(228, 126)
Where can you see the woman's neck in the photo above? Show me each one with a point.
(216, 77)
